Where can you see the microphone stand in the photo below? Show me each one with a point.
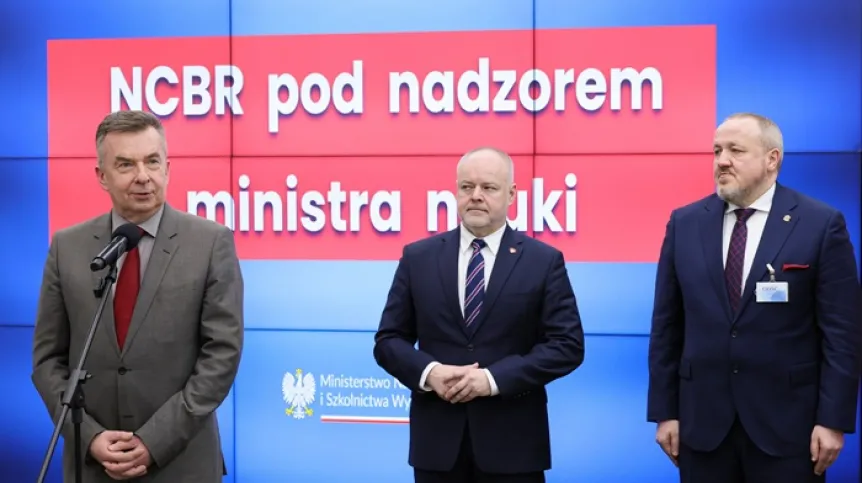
(73, 396)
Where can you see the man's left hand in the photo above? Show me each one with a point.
(825, 445)
(474, 384)
(130, 459)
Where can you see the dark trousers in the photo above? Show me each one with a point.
(738, 460)
(465, 471)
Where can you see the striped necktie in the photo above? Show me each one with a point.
(474, 289)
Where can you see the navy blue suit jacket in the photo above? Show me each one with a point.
(780, 367)
(528, 334)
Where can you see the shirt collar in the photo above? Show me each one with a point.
(764, 203)
(492, 241)
(151, 226)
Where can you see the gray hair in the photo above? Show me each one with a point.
(770, 134)
(128, 122)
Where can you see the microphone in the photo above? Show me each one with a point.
(124, 239)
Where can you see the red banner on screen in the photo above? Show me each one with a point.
(251, 122)
(619, 90)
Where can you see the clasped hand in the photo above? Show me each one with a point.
(123, 455)
(459, 383)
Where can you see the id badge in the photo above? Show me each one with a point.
(772, 292)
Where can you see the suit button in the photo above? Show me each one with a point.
(735, 370)
(121, 371)
(733, 334)
(470, 348)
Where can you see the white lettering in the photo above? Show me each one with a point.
(480, 79)
(198, 91)
(446, 103)
(571, 203)
(590, 89)
(210, 203)
(521, 211)
(302, 94)
(534, 76)
(534, 90)
(351, 382)
(506, 78)
(636, 80)
(312, 209)
(443, 204)
(543, 207)
(351, 210)
(401, 401)
(438, 200)
(352, 400)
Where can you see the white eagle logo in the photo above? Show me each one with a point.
(298, 393)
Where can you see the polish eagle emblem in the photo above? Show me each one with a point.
(298, 392)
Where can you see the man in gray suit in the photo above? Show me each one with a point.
(169, 342)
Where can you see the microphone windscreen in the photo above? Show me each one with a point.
(131, 233)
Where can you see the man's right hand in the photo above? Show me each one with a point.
(443, 376)
(112, 447)
(667, 436)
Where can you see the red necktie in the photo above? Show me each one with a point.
(126, 294)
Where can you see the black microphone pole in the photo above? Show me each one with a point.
(73, 396)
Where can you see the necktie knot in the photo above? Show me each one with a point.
(743, 214)
(478, 244)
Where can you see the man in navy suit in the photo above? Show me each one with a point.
(496, 320)
(754, 353)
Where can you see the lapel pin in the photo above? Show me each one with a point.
(513, 250)
(786, 217)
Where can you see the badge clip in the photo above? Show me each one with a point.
(771, 272)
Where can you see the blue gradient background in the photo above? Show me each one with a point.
(798, 62)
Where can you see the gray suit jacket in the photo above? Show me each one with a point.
(181, 353)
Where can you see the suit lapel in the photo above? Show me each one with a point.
(507, 256)
(779, 224)
(711, 235)
(101, 238)
(164, 249)
(447, 263)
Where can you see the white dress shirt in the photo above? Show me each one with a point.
(489, 253)
(756, 223)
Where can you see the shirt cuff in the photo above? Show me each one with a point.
(494, 389)
(424, 376)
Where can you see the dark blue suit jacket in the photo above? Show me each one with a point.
(528, 334)
(781, 367)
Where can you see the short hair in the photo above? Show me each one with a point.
(770, 134)
(128, 122)
(499, 152)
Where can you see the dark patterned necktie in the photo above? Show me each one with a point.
(474, 289)
(736, 257)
